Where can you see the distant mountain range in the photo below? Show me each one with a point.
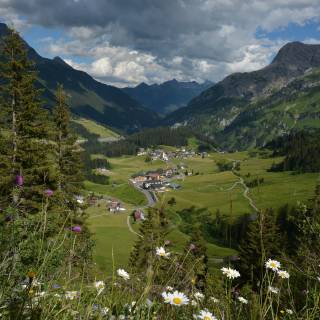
(88, 97)
(243, 110)
(248, 109)
(167, 96)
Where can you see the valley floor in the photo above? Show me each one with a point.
(115, 233)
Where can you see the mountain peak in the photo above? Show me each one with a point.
(60, 60)
(299, 54)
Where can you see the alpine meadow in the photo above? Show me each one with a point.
(159, 160)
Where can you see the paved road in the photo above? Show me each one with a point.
(152, 200)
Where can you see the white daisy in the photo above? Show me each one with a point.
(243, 300)
(283, 274)
(230, 273)
(99, 285)
(273, 289)
(199, 296)
(71, 295)
(104, 311)
(165, 297)
(205, 315)
(274, 265)
(176, 298)
(289, 311)
(123, 274)
(161, 252)
(194, 303)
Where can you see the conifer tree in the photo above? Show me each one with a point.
(68, 153)
(197, 259)
(25, 148)
(152, 231)
(262, 241)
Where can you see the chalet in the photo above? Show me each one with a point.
(153, 176)
(115, 206)
(141, 152)
(93, 200)
(153, 184)
(138, 215)
(139, 179)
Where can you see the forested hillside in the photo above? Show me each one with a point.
(88, 97)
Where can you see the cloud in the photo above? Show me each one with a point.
(151, 40)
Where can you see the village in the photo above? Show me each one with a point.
(165, 155)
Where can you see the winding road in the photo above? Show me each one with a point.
(152, 200)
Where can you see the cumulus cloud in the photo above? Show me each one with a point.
(127, 42)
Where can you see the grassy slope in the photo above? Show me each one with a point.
(111, 234)
(208, 189)
(94, 127)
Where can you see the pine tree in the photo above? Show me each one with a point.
(69, 194)
(262, 241)
(25, 148)
(152, 231)
(197, 259)
(68, 153)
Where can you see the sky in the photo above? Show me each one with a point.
(126, 42)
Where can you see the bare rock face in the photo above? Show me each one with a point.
(238, 89)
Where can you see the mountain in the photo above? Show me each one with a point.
(232, 107)
(87, 97)
(168, 96)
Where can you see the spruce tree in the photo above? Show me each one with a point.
(25, 148)
(196, 258)
(261, 242)
(152, 231)
(68, 153)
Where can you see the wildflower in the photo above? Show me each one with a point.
(48, 193)
(161, 252)
(243, 300)
(273, 289)
(165, 297)
(19, 180)
(274, 265)
(71, 295)
(76, 229)
(205, 315)
(230, 273)
(199, 296)
(283, 274)
(194, 303)
(289, 311)
(104, 311)
(215, 300)
(176, 298)
(99, 285)
(123, 274)
(169, 288)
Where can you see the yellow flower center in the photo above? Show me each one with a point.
(177, 300)
(206, 318)
(162, 254)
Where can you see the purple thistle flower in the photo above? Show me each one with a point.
(8, 218)
(19, 180)
(48, 193)
(76, 229)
